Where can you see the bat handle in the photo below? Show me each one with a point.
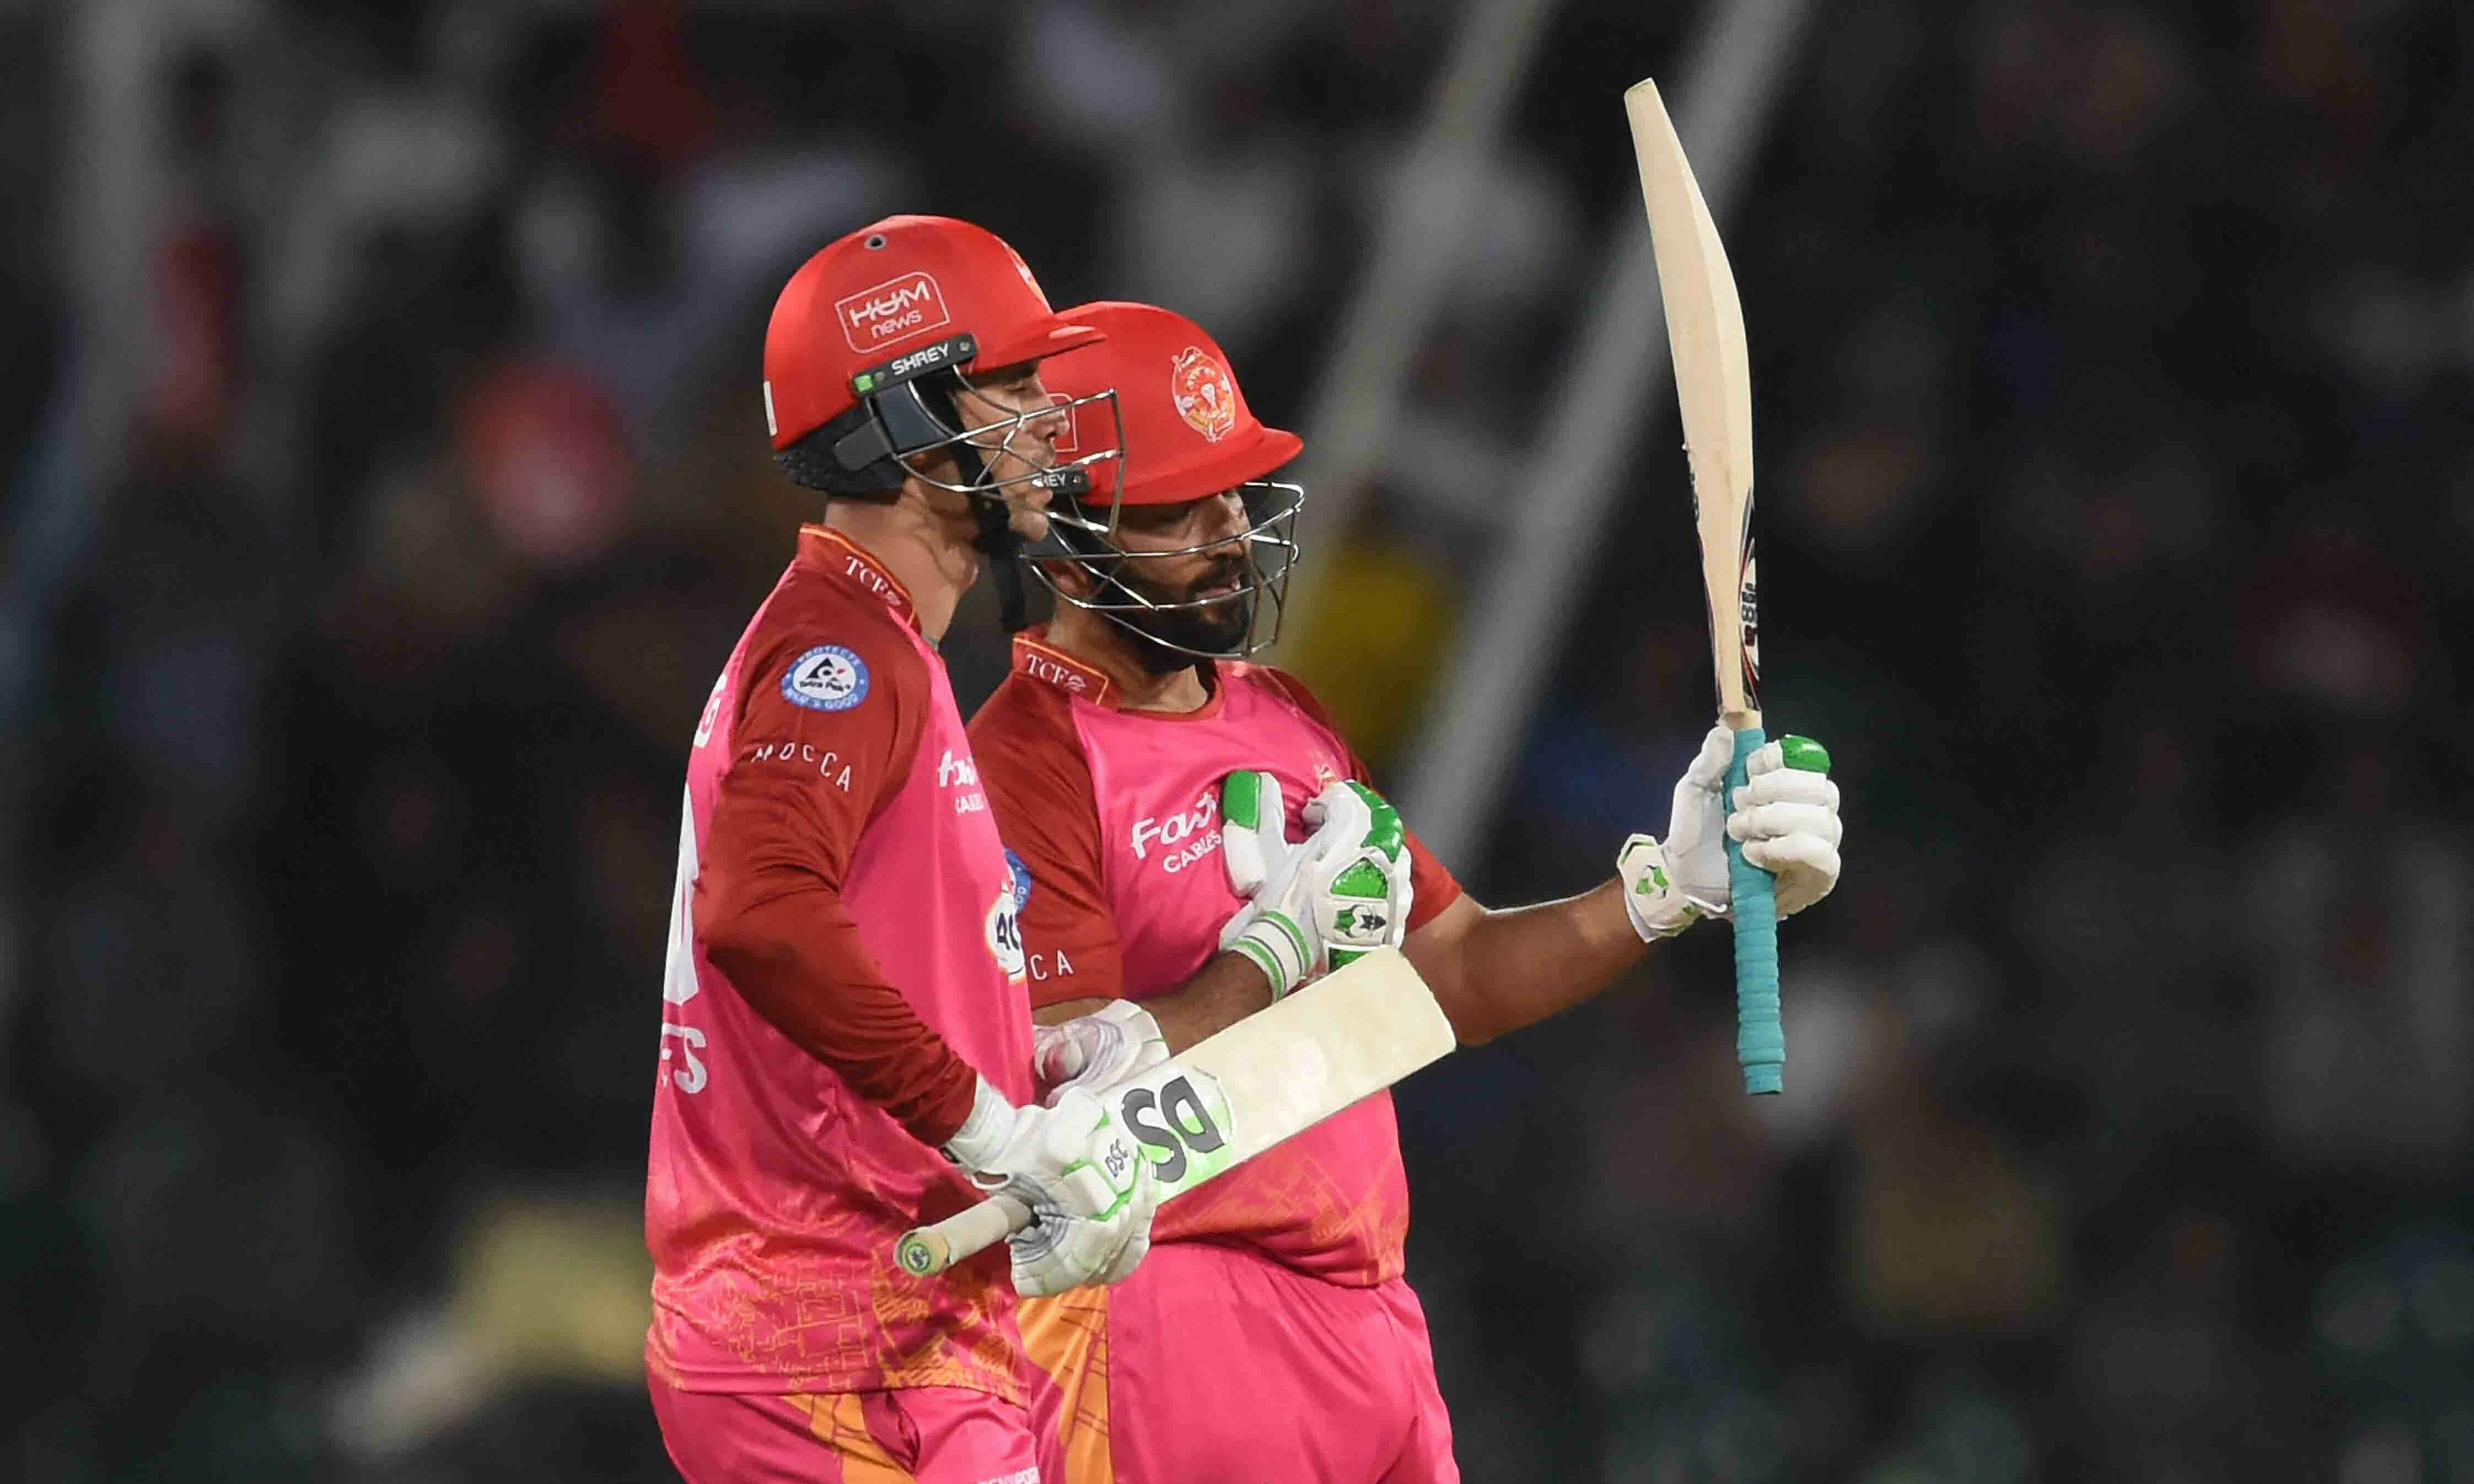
(924, 1251)
(1760, 1045)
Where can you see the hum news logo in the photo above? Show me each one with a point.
(895, 309)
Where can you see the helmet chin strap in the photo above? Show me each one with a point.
(1003, 546)
(996, 540)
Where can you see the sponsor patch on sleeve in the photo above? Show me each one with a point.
(826, 678)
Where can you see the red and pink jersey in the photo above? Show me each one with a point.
(843, 957)
(1116, 812)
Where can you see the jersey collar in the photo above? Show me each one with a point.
(1033, 656)
(844, 560)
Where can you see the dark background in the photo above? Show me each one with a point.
(385, 482)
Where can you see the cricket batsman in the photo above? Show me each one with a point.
(846, 1042)
(1153, 781)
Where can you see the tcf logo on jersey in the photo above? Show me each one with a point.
(826, 678)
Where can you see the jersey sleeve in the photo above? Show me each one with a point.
(803, 781)
(1039, 785)
(1432, 886)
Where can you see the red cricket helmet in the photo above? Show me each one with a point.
(874, 335)
(1188, 431)
(1185, 433)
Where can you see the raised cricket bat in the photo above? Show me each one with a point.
(1705, 331)
(1274, 1074)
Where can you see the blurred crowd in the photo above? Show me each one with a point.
(385, 482)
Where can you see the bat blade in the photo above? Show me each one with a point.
(1229, 1097)
(1714, 387)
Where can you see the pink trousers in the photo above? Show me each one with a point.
(931, 1434)
(1213, 1365)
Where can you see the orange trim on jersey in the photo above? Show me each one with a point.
(1048, 663)
(1067, 1338)
(857, 567)
(839, 1422)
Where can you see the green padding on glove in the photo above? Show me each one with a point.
(1241, 797)
(1804, 753)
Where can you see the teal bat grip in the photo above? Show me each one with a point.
(1760, 1045)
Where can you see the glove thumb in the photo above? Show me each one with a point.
(1254, 829)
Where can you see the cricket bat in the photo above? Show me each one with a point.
(1713, 384)
(1273, 1075)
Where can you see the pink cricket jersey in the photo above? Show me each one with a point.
(1116, 813)
(775, 1191)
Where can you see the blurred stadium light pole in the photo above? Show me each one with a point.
(1613, 390)
(1358, 401)
(112, 54)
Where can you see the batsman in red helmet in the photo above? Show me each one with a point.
(845, 1043)
(1152, 779)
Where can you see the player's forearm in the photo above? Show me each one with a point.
(1497, 971)
(797, 960)
(1227, 989)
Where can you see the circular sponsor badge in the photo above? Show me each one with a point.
(826, 678)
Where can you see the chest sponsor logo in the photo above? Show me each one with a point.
(953, 772)
(1180, 839)
(826, 678)
(893, 310)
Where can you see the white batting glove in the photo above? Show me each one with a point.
(1787, 815)
(1668, 887)
(1090, 1190)
(1344, 892)
(1096, 1051)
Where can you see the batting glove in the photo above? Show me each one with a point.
(1786, 815)
(1089, 1188)
(1096, 1051)
(1322, 903)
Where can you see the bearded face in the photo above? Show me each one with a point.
(1188, 581)
(1212, 613)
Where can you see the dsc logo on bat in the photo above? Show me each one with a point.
(1184, 1127)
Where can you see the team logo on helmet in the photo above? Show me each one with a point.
(895, 310)
(1205, 395)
